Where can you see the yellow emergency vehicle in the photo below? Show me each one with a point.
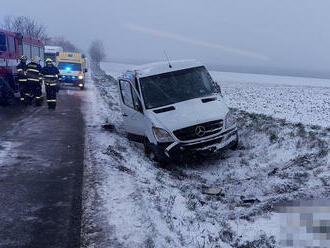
(72, 67)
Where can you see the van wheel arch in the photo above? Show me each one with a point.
(153, 154)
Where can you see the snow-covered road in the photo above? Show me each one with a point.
(131, 202)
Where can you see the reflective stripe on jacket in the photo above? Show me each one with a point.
(33, 72)
(21, 72)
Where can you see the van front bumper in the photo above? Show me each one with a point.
(209, 145)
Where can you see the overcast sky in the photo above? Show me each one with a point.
(282, 33)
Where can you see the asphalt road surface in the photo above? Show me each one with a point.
(41, 167)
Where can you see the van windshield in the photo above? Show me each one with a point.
(177, 86)
(66, 66)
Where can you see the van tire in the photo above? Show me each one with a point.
(234, 146)
(154, 155)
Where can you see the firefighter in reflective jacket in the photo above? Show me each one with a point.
(22, 79)
(33, 74)
(50, 74)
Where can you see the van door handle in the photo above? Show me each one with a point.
(125, 115)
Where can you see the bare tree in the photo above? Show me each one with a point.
(97, 51)
(64, 43)
(27, 26)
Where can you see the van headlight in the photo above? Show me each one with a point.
(81, 77)
(161, 135)
(230, 120)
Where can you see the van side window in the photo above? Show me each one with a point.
(126, 93)
(137, 86)
(136, 101)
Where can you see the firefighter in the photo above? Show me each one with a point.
(50, 74)
(22, 79)
(33, 74)
(38, 86)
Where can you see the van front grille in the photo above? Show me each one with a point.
(199, 131)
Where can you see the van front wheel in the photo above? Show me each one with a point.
(234, 146)
(154, 154)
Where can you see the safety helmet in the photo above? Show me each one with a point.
(35, 60)
(23, 57)
(49, 60)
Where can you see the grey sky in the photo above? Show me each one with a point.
(282, 33)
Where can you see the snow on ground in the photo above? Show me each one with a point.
(130, 201)
(6, 152)
(116, 69)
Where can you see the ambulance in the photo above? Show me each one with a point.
(72, 67)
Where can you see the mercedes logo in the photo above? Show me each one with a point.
(200, 131)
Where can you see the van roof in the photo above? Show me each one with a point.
(163, 67)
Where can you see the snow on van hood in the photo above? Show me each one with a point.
(188, 113)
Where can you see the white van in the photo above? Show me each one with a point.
(175, 110)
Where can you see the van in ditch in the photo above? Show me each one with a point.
(175, 109)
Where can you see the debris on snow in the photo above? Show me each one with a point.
(109, 127)
(212, 191)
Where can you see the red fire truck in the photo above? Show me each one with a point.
(12, 46)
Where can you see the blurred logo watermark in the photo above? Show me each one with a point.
(304, 224)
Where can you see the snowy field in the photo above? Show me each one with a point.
(116, 69)
(305, 100)
(130, 201)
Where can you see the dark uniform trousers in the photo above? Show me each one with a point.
(50, 74)
(22, 81)
(51, 84)
(34, 82)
